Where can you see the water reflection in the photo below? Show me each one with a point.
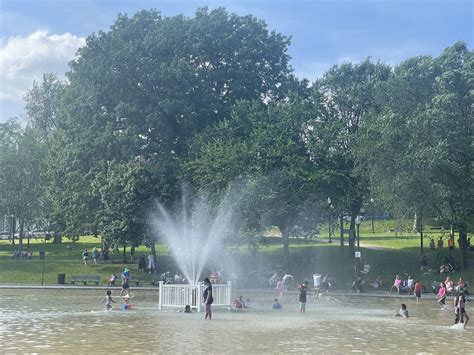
(63, 320)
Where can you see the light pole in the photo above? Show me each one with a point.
(372, 214)
(329, 220)
(357, 220)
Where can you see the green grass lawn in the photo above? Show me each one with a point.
(389, 252)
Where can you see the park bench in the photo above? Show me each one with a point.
(137, 280)
(79, 278)
(85, 279)
(93, 278)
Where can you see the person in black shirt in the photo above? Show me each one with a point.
(303, 290)
(207, 298)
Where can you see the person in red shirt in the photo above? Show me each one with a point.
(418, 288)
(451, 244)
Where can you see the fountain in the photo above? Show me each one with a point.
(194, 233)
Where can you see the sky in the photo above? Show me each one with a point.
(38, 36)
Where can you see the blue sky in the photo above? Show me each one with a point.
(42, 35)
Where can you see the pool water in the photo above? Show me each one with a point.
(60, 321)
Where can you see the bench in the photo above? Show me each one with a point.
(94, 278)
(85, 279)
(79, 278)
(136, 280)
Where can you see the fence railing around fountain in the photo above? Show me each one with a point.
(180, 295)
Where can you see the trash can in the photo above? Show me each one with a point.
(61, 279)
(41, 253)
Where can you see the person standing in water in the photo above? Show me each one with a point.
(418, 288)
(207, 298)
(464, 318)
(280, 288)
(441, 296)
(108, 300)
(303, 291)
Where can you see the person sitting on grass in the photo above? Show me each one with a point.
(396, 284)
(444, 269)
(377, 283)
(112, 280)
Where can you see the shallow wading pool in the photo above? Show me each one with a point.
(60, 321)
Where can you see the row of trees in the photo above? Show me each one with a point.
(211, 101)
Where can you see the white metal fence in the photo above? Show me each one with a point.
(180, 295)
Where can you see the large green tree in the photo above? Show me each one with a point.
(147, 86)
(418, 150)
(21, 176)
(261, 149)
(342, 100)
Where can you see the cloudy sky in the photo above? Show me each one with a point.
(38, 36)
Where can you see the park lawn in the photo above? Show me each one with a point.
(388, 252)
(61, 260)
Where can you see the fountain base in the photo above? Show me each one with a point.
(181, 295)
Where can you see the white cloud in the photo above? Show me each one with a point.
(24, 59)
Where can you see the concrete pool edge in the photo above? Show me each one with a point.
(336, 293)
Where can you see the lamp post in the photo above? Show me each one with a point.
(43, 257)
(329, 220)
(372, 214)
(357, 221)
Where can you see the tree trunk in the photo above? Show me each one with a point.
(124, 254)
(421, 234)
(463, 246)
(20, 235)
(286, 249)
(352, 235)
(57, 238)
(13, 228)
(341, 230)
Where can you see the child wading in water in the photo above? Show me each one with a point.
(108, 300)
(303, 291)
(460, 309)
(276, 304)
(403, 312)
(441, 296)
(126, 304)
(418, 289)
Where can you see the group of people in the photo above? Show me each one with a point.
(323, 283)
(147, 263)
(451, 287)
(109, 300)
(22, 253)
(95, 255)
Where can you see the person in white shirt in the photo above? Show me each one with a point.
(410, 284)
(317, 283)
(151, 264)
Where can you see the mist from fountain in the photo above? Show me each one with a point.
(194, 233)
